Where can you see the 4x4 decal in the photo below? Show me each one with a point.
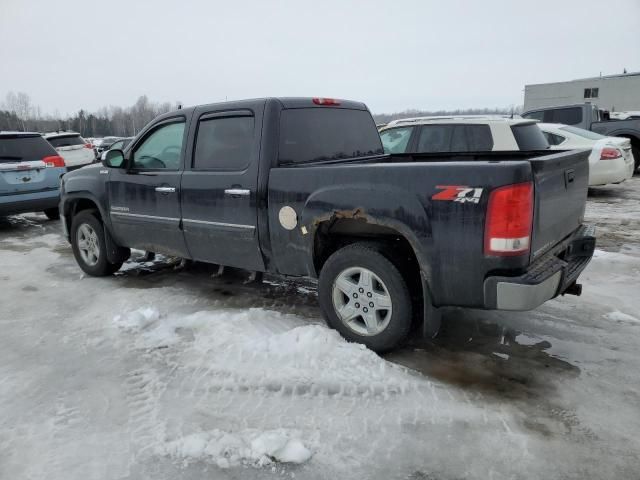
(458, 193)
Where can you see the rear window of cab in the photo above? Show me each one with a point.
(320, 134)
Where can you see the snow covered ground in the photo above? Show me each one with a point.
(166, 373)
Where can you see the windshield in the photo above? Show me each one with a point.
(581, 132)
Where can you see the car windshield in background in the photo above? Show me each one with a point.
(529, 137)
(22, 148)
(581, 132)
(316, 134)
(68, 141)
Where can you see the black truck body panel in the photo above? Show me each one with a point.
(232, 217)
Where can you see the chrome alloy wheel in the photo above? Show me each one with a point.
(88, 244)
(362, 301)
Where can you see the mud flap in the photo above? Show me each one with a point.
(432, 316)
(115, 253)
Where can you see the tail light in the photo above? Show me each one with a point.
(54, 161)
(610, 153)
(326, 101)
(509, 220)
(88, 145)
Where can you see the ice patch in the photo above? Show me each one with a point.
(247, 447)
(621, 317)
(527, 340)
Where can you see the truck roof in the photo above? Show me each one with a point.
(286, 102)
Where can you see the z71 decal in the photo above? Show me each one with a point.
(458, 193)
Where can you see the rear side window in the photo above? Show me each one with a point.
(66, 141)
(14, 149)
(455, 138)
(316, 134)
(435, 138)
(224, 143)
(529, 137)
(553, 139)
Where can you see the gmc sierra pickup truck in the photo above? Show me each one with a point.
(301, 187)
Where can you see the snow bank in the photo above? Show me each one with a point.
(256, 348)
(248, 447)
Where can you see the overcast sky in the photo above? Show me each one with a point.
(393, 55)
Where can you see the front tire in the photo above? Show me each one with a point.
(87, 242)
(364, 296)
(52, 213)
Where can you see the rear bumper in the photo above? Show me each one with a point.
(29, 202)
(544, 280)
(611, 171)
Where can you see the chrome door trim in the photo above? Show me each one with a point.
(219, 224)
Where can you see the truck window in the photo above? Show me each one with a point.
(224, 143)
(395, 140)
(315, 134)
(161, 149)
(568, 116)
(529, 137)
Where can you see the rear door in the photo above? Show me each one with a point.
(144, 198)
(220, 187)
(23, 165)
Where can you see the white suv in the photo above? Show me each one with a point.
(473, 133)
(75, 150)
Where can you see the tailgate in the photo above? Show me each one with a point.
(24, 177)
(561, 184)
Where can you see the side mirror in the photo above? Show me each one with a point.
(113, 158)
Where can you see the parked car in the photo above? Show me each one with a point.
(301, 187)
(76, 151)
(474, 133)
(611, 159)
(30, 171)
(588, 117)
(118, 145)
(105, 144)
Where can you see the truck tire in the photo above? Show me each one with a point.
(636, 158)
(87, 242)
(364, 296)
(52, 213)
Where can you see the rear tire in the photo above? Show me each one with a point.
(364, 296)
(87, 242)
(52, 213)
(636, 158)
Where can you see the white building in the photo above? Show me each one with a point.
(610, 92)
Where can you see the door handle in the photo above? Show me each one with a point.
(237, 192)
(166, 189)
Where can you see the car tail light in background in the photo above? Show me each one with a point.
(610, 153)
(326, 101)
(509, 220)
(54, 161)
(88, 145)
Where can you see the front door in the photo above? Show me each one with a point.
(144, 202)
(219, 189)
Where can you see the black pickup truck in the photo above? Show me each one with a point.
(301, 187)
